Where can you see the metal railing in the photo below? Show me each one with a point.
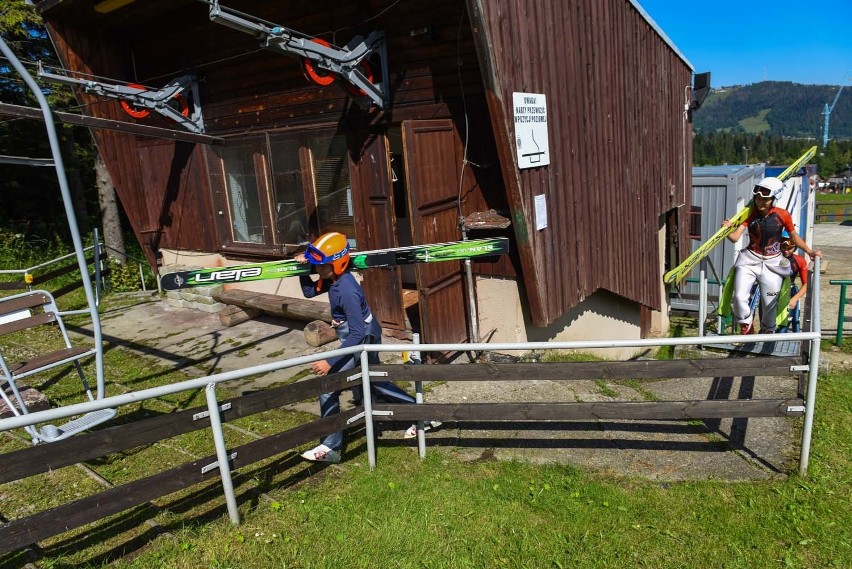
(28, 278)
(100, 269)
(209, 383)
(841, 309)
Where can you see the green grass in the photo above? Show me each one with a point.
(446, 513)
(833, 198)
(756, 124)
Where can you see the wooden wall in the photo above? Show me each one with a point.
(245, 89)
(619, 143)
(620, 147)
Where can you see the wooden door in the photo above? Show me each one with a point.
(375, 227)
(433, 157)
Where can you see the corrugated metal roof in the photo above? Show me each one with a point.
(662, 34)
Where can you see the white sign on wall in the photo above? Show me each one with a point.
(531, 129)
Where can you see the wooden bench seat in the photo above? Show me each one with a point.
(52, 359)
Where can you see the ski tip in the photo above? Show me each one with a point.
(171, 281)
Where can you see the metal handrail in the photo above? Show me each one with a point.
(45, 264)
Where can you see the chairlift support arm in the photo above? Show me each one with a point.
(345, 62)
(152, 99)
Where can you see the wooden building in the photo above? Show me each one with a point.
(290, 159)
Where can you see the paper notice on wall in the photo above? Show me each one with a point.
(530, 110)
(540, 212)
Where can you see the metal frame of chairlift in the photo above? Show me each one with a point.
(49, 432)
(138, 101)
(347, 62)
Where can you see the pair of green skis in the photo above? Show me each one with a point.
(681, 271)
(433, 253)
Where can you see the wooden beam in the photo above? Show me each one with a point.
(88, 446)
(595, 411)
(25, 531)
(649, 369)
(109, 124)
(286, 306)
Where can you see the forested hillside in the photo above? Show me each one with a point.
(777, 108)
(740, 148)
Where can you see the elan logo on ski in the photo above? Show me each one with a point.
(231, 275)
(431, 253)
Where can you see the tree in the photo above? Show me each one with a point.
(32, 202)
(113, 236)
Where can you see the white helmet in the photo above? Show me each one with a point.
(768, 187)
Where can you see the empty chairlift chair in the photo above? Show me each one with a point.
(26, 312)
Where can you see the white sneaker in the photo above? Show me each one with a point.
(427, 426)
(322, 453)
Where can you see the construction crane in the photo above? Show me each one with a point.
(827, 113)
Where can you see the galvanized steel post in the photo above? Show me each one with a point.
(418, 398)
(813, 371)
(368, 409)
(702, 301)
(222, 453)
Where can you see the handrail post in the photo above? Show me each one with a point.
(418, 398)
(702, 301)
(813, 372)
(222, 453)
(841, 316)
(368, 409)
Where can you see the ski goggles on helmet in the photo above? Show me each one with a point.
(316, 257)
(762, 192)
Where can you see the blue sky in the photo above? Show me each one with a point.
(748, 41)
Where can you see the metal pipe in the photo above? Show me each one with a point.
(200, 383)
(368, 409)
(97, 256)
(40, 265)
(69, 209)
(418, 398)
(813, 373)
(222, 453)
(702, 301)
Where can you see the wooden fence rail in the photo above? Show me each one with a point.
(19, 464)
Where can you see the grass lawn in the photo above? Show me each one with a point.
(833, 198)
(447, 513)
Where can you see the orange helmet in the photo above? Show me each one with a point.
(330, 249)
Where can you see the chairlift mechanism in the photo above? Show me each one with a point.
(138, 101)
(319, 57)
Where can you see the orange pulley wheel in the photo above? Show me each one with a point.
(318, 76)
(133, 111)
(368, 73)
(182, 105)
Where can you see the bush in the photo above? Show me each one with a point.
(124, 278)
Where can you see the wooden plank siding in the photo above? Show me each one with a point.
(619, 147)
(245, 88)
(619, 143)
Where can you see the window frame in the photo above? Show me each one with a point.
(263, 163)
